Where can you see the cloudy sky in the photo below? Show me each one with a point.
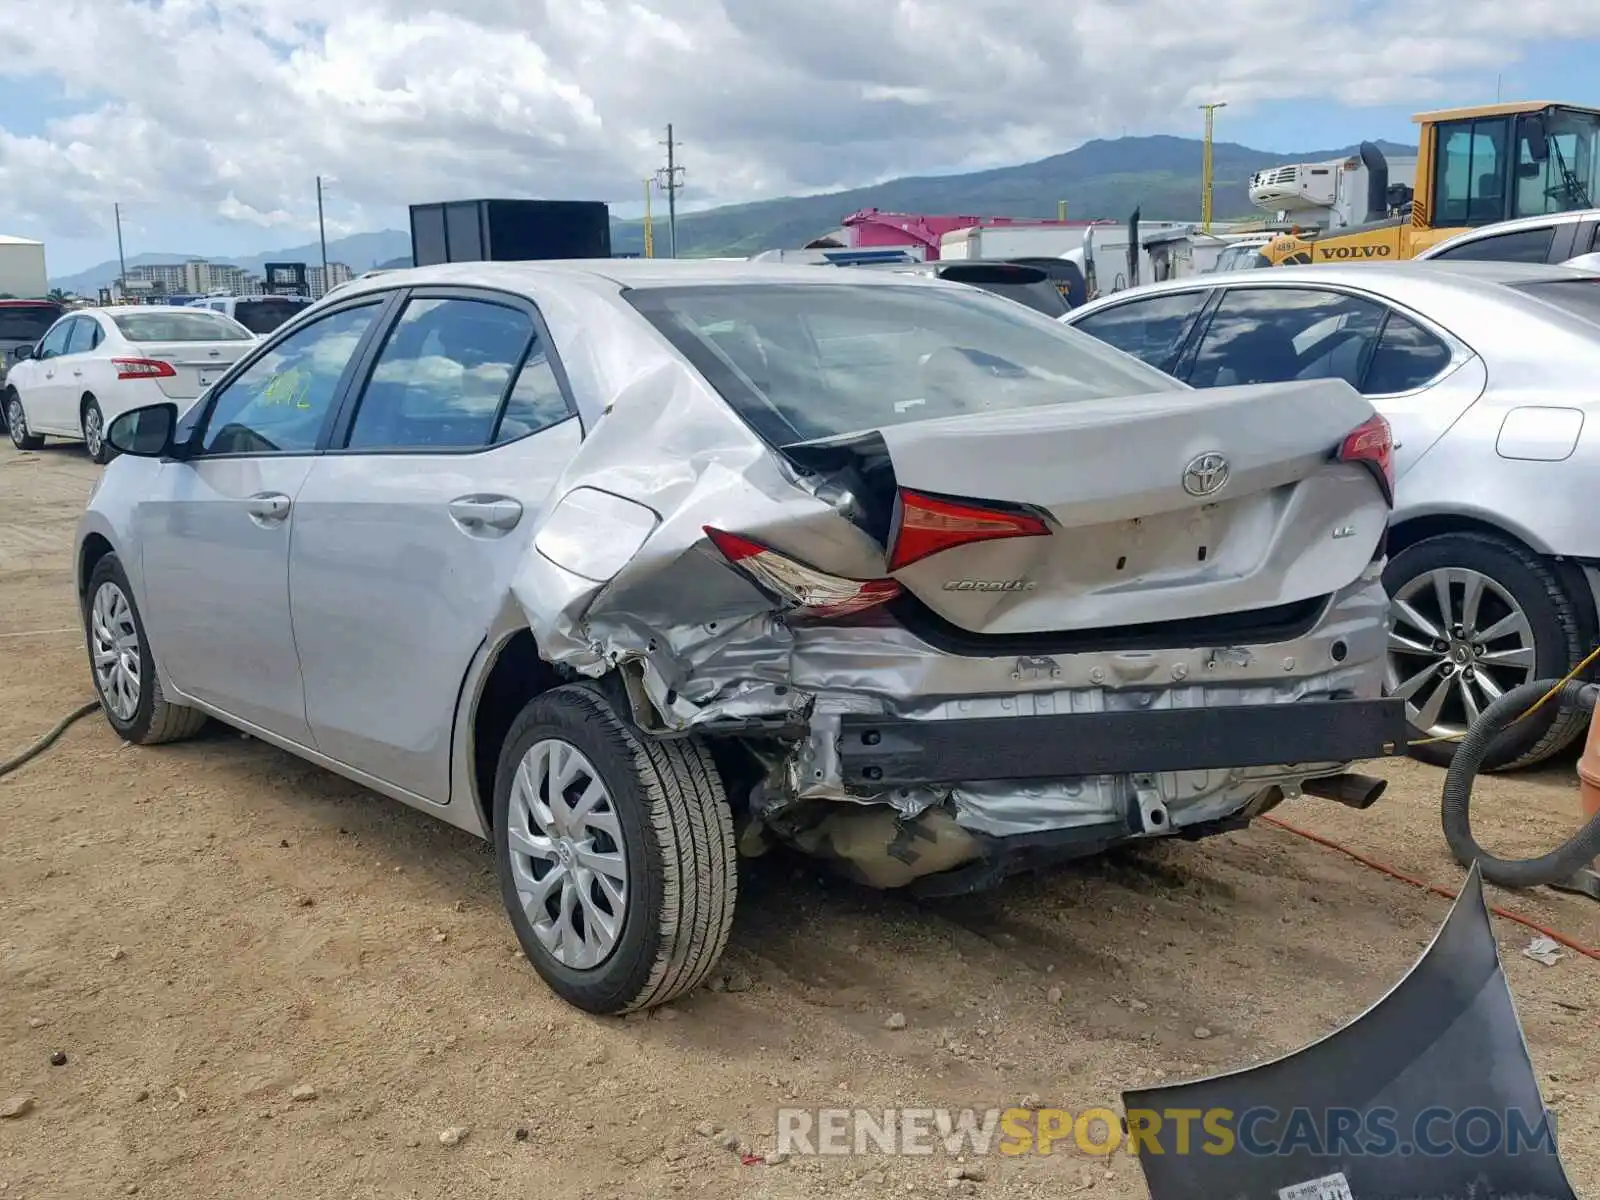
(209, 119)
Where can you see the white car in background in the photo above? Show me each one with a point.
(95, 364)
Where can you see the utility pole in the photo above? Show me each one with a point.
(322, 236)
(649, 229)
(1207, 178)
(670, 180)
(122, 260)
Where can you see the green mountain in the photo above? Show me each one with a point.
(1159, 175)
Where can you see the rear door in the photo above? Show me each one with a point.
(408, 531)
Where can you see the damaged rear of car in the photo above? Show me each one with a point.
(960, 591)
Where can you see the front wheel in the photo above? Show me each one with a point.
(17, 425)
(615, 854)
(123, 667)
(1475, 616)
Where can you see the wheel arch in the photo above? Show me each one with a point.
(95, 546)
(1409, 531)
(83, 404)
(513, 673)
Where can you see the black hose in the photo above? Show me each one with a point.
(1564, 861)
(44, 743)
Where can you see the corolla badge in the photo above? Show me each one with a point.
(1206, 474)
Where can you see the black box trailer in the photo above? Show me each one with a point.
(509, 230)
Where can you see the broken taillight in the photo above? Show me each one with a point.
(813, 592)
(1372, 443)
(927, 525)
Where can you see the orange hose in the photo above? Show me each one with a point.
(1570, 943)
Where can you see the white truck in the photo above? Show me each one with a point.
(22, 274)
(1011, 241)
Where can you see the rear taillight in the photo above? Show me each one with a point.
(142, 368)
(813, 592)
(1372, 443)
(926, 525)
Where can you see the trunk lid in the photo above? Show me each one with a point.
(195, 365)
(1129, 542)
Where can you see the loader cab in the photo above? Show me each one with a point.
(1498, 162)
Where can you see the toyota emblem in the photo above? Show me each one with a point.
(1205, 475)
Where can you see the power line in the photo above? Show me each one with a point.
(670, 180)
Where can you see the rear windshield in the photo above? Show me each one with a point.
(811, 361)
(197, 326)
(1025, 285)
(263, 316)
(26, 322)
(1580, 297)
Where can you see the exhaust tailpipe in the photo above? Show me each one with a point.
(1358, 791)
(1377, 180)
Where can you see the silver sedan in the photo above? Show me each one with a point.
(1487, 373)
(605, 561)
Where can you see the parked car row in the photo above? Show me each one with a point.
(606, 561)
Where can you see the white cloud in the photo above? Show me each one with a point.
(227, 108)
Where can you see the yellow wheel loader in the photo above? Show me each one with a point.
(1475, 166)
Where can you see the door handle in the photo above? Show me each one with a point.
(477, 513)
(268, 508)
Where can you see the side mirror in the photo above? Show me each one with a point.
(1533, 130)
(22, 352)
(144, 432)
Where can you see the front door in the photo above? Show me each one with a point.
(216, 528)
(409, 531)
(42, 383)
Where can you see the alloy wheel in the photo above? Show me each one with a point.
(17, 421)
(567, 856)
(93, 431)
(115, 640)
(1459, 642)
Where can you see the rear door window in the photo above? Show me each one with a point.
(1272, 335)
(1407, 357)
(85, 336)
(1152, 329)
(443, 376)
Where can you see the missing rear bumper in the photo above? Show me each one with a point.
(875, 752)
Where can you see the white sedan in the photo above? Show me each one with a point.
(95, 364)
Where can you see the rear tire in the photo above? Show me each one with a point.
(17, 424)
(1545, 643)
(122, 666)
(93, 424)
(615, 854)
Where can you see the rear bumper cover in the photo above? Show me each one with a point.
(877, 751)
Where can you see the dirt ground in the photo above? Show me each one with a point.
(203, 928)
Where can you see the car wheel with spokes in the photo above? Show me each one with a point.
(123, 667)
(17, 425)
(615, 854)
(1474, 616)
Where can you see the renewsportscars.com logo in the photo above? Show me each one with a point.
(1100, 1131)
